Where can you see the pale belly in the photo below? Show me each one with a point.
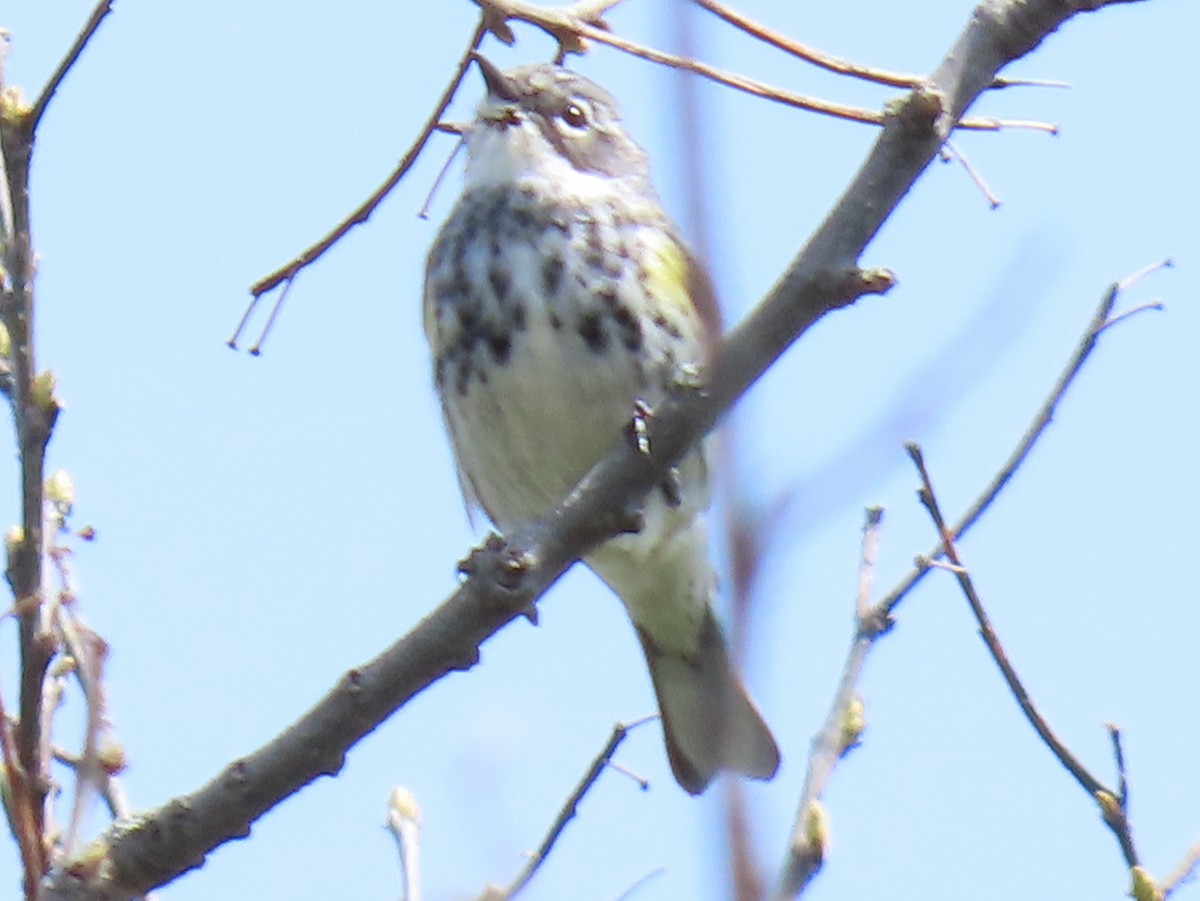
(545, 339)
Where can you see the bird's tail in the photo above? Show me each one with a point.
(709, 722)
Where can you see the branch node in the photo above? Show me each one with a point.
(919, 112)
(877, 622)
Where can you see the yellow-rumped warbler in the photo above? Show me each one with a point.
(559, 297)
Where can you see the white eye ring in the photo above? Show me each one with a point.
(576, 114)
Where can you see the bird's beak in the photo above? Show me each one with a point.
(499, 85)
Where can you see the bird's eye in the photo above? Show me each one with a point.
(574, 115)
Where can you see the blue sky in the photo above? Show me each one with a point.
(266, 523)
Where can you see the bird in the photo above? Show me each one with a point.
(559, 300)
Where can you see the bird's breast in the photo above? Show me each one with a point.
(547, 327)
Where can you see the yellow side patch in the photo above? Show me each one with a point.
(667, 269)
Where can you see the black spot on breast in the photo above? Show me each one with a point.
(555, 322)
(500, 280)
(519, 316)
(500, 345)
(468, 319)
(470, 231)
(591, 330)
(552, 270)
(523, 219)
(630, 328)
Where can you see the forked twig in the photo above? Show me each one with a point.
(1100, 321)
(570, 807)
(35, 411)
(553, 22)
(1086, 780)
(805, 855)
(287, 272)
(841, 730)
(1112, 806)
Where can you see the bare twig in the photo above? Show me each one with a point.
(1114, 733)
(953, 150)
(102, 9)
(638, 883)
(809, 54)
(287, 273)
(835, 64)
(841, 729)
(403, 821)
(571, 805)
(21, 804)
(27, 748)
(556, 22)
(560, 22)
(1111, 804)
(1133, 311)
(1183, 871)
(35, 410)
(804, 859)
(1087, 343)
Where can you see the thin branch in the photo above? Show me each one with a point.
(836, 64)
(504, 578)
(556, 22)
(1087, 343)
(20, 805)
(1114, 734)
(35, 411)
(102, 9)
(288, 272)
(842, 726)
(638, 883)
(403, 821)
(953, 150)
(560, 22)
(1183, 872)
(1141, 308)
(570, 806)
(789, 45)
(1110, 803)
(804, 858)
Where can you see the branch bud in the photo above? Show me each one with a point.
(42, 391)
(1144, 887)
(60, 490)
